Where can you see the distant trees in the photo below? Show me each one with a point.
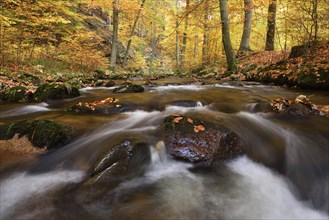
(182, 34)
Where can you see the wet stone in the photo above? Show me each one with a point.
(125, 160)
(47, 92)
(199, 142)
(129, 88)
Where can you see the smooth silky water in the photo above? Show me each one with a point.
(284, 174)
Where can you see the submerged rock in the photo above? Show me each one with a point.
(42, 133)
(48, 92)
(129, 88)
(199, 142)
(125, 160)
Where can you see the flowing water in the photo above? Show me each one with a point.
(284, 174)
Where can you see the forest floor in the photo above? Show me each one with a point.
(307, 71)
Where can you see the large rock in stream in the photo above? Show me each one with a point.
(199, 142)
(109, 105)
(47, 92)
(126, 160)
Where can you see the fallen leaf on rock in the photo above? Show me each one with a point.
(190, 120)
(177, 119)
(199, 128)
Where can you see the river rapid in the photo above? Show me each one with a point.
(284, 174)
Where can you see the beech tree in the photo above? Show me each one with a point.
(244, 45)
(183, 51)
(132, 33)
(270, 34)
(115, 34)
(230, 56)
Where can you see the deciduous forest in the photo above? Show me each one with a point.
(164, 109)
(150, 38)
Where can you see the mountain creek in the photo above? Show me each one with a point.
(117, 167)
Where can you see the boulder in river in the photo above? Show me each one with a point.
(125, 160)
(42, 133)
(109, 105)
(199, 142)
(301, 106)
(129, 88)
(48, 92)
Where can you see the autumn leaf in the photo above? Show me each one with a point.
(199, 128)
(190, 120)
(177, 119)
(175, 115)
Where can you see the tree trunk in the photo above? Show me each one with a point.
(230, 56)
(244, 44)
(132, 33)
(183, 52)
(154, 42)
(270, 35)
(205, 57)
(177, 37)
(115, 35)
(196, 44)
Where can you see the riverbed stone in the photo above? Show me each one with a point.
(42, 133)
(47, 92)
(125, 160)
(129, 88)
(199, 142)
(109, 105)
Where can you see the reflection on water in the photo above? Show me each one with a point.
(283, 176)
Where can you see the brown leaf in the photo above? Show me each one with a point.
(190, 120)
(177, 119)
(199, 128)
(175, 115)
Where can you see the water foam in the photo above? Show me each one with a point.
(42, 107)
(21, 186)
(179, 87)
(264, 194)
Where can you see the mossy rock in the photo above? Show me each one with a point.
(48, 92)
(40, 132)
(129, 88)
(17, 94)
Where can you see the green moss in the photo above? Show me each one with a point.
(15, 94)
(40, 132)
(48, 92)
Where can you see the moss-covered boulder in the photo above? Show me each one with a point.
(42, 133)
(47, 92)
(199, 142)
(17, 94)
(129, 88)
